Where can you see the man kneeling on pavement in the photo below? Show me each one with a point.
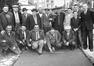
(8, 42)
(69, 37)
(22, 38)
(53, 38)
(37, 39)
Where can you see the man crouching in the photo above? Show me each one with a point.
(7, 41)
(53, 39)
(69, 38)
(37, 39)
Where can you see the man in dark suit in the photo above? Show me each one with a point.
(46, 24)
(37, 39)
(17, 16)
(87, 27)
(24, 16)
(76, 24)
(22, 37)
(6, 18)
(32, 20)
(58, 21)
(8, 39)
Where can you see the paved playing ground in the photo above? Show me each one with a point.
(60, 58)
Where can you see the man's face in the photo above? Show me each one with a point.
(15, 9)
(36, 27)
(34, 12)
(46, 11)
(69, 11)
(25, 12)
(40, 10)
(85, 6)
(23, 28)
(75, 14)
(5, 9)
(9, 28)
(76, 8)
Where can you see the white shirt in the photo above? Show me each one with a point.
(37, 35)
(68, 19)
(40, 15)
(35, 19)
(24, 33)
(17, 19)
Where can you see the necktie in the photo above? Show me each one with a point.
(37, 35)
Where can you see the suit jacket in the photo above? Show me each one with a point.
(33, 34)
(30, 22)
(87, 20)
(20, 17)
(54, 37)
(62, 17)
(70, 37)
(6, 19)
(75, 23)
(45, 21)
(20, 36)
(10, 39)
(24, 18)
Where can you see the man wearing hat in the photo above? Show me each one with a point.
(45, 21)
(6, 18)
(7, 40)
(17, 16)
(37, 39)
(33, 20)
(24, 16)
(69, 37)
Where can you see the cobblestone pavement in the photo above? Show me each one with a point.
(60, 58)
(9, 60)
(90, 55)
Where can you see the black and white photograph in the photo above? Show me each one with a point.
(46, 32)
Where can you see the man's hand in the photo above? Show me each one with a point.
(2, 32)
(21, 42)
(67, 43)
(3, 40)
(75, 29)
(29, 45)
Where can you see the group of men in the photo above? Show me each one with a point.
(20, 30)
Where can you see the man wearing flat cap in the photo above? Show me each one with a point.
(33, 20)
(24, 16)
(6, 18)
(17, 16)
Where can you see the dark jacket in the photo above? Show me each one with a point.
(87, 20)
(24, 18)
(30, 22)
(75, 23)
(33, 35)
(20, 17)
(20, 36)
(6, 19)
(10, 40)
